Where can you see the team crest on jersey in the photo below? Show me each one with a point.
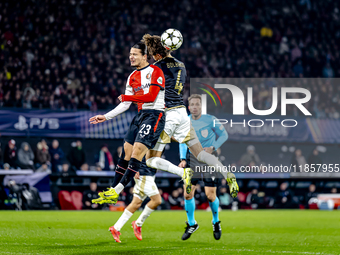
(204, 133)
(148, 76)
(160, 80)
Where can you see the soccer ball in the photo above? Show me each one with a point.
(171, 39)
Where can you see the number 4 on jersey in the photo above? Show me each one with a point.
(179, 85)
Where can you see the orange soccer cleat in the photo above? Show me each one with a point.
(137, 230)
(115, 233)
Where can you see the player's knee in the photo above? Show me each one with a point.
(138, 203)
(211, 196)
(156, 200)
(201, 156)
(188, 196)
(148, 162)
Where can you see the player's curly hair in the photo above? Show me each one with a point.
(153, 42)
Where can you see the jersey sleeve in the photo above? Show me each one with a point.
(123, 106)
(128, 88)
(146, 98)
(157, 78)
(220, 131)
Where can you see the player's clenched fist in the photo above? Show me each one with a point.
(97, 119)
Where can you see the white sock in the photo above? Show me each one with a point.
(211, 160)
(119, 188)
(164, 165)
(145, 214)
(122, 220)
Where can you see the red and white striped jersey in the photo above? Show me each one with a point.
(139, 82)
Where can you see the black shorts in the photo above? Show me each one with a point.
(146, 127)
(209, 180)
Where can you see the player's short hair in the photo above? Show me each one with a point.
(143, 47)
(154, 45)
(195, 96)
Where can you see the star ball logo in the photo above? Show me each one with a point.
(239, 100)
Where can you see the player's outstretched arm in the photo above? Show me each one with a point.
(97, 119)
(122, 107)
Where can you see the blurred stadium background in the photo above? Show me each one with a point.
(64, 61)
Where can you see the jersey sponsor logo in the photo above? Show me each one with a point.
(148, 76)
(204, 133)
(160, 80)
(142, 87)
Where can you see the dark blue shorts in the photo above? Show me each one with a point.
(209, 180)
(146, 127)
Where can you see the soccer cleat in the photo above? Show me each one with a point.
(188, 173)
(102, 194)
(101, 200)
(115, 233)
(109, 195)
(137, 230)
(233, 186)
(189, 230)
(217, 230)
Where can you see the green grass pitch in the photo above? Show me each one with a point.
(244, 232)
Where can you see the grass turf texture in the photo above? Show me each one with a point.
(244, 232)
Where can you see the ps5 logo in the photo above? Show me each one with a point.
(238, 100)
(51, 123)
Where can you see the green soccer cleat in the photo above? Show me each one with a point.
(110, 195)
(188, 173)
(101, 201)
(233, 186)
(102, 194)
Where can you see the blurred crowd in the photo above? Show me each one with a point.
(52, 159)
(68, 55)
(268, 194)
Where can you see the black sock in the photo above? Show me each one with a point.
(130, 171)
(120, 170)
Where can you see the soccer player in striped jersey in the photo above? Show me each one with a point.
(145, 86)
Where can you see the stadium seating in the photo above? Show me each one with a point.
(70, 200)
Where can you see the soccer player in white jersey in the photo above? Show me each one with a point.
(177, 125)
